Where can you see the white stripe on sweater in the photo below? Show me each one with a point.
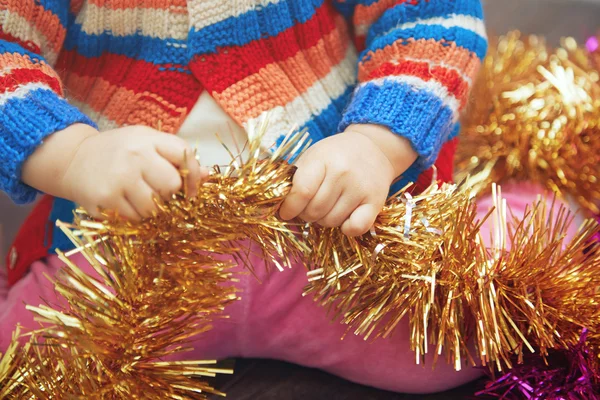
(151, 22)
(467, 22)
(209, 12)
(435, 64)
(104, 124)
(23, 91)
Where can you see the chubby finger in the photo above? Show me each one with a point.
(361, 220)
(163, 178)
(196, 175)
(305, 185)
(118, 206)
(323, 202)
(341, 211)
(127, 211)
(142, 198)
(175, 150)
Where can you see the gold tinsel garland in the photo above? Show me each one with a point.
(161, 282)
(534, 115)
(425, 259)
(157, 284)
(108, 339)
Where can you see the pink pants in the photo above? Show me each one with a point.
(274, 321)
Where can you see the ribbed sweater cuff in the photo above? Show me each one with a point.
(24, 123)
(418, 115)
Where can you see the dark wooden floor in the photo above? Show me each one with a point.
(270, 380)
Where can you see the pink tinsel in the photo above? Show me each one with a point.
(571, 374)
(592, 44)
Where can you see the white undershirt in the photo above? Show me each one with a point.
(200, 129)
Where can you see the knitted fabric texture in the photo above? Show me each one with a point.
(125, 62)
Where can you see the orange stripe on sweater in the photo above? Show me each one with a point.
(271, 76)
(43, 20)
(308, 66)
(16, 60)
(427, 50)
(291, 77)
(125, 106)
(24, 62)
(269, 88)
(75, 6)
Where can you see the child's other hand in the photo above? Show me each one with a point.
(125, 169)
(344, 180)
(122, 170)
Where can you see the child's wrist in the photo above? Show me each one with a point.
(397, 149)
(46, 167)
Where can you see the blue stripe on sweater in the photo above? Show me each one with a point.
(409, 176)
(13, 48)
(354, 3)
(60, 8)
(328, 119)
(461, 37)
(345, 8)
(138, 47)
(264, 22)
(404, 13)
(62, 210)
(434, 3)
(24, 123)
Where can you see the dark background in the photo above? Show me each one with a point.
(270, 380)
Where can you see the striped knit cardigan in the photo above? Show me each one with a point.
(125, 62)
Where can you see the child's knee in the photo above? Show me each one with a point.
(34, 289)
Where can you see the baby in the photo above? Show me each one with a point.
(378, 84)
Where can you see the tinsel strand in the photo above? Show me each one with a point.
(534, 115)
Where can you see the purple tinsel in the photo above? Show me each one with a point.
(571, 374)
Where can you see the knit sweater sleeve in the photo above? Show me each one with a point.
(418, 62)
(32, 105)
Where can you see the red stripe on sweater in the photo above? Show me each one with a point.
(450, 78)
(176, 87)
(26, 44)
(444, 166)
(32, 242)
(17, 77)
(360, 42)
(249, 59)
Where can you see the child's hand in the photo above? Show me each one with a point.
(344, 180)
(122, 170)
